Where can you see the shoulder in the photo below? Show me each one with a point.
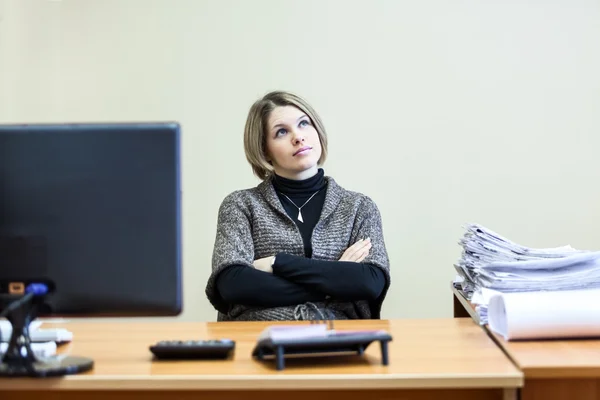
(239, 200)
(358, 201)
(239, 196)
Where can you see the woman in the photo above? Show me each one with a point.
(297, 246)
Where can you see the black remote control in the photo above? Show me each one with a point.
(193, 349)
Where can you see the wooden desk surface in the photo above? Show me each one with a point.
(554, 358)
(442, 353)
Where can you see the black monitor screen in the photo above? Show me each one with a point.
(93, 211)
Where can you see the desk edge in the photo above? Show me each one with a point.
(258, 382)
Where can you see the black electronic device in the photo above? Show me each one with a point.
(89, 227)
(278, 343)
(214, 349)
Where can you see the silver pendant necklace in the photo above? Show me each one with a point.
(300, 208)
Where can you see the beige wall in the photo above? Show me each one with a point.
(443, 112)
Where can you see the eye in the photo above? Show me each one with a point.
(280, 132)
(303, 123)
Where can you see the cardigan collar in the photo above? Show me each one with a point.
(333, 196)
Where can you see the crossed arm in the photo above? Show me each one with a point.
(293, 280)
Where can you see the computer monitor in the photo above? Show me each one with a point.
(90, 214)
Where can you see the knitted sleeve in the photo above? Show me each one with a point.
(368, 224)
(233, 243)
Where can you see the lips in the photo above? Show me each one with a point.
(303, 149)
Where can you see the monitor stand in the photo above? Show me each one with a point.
(19, 359)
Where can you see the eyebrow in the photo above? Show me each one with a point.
(279, 125)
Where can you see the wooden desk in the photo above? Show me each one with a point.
(553, 369)
(429, 359)
(556, 369)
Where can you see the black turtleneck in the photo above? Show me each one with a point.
(295, 279)
(294, 194)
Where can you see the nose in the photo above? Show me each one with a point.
(297, 138)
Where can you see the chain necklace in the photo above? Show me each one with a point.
(300, 208)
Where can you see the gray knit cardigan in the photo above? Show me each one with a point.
(253, 224)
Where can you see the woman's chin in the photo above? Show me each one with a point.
(304, 166)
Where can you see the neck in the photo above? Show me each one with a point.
(298, 186)
(297, 176)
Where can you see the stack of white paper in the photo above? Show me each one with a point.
(491, 264)
(490, 260)
(575, 271)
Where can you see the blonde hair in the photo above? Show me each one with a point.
(255, 131)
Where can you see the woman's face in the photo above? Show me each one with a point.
(293, 145)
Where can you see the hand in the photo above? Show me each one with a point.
(358, 251)
(264, 264)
